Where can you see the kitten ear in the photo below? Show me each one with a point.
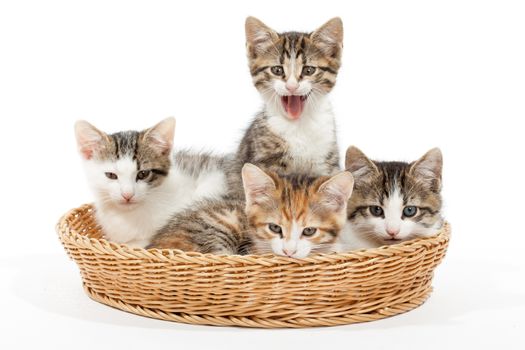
(358, 164)
(329, 37)
(89, 139)
(336, 191)
(258, 35)
(160, 137)
(428, 168)
(258, 185)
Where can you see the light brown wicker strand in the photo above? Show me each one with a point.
(261, 322)
(252, 291)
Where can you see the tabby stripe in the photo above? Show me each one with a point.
(225, 224)
(327, 69)
(159, 172)
(260, 83)
(225, 237)
(329, 231)
(245, 246)
(116, 147)
(429, 210)
(258, 70)
(270, 160)
(136, 150)
(281, 58)
(286, 214)
(327, 82)
(358, 210)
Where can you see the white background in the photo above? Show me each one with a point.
(415, 75)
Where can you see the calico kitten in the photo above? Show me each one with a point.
(291, 216)
(138, 183)
(392, 201)
(294, 73)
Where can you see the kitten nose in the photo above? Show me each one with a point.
(291, 86)
(127, 196)
(392, 232)
(289, 252)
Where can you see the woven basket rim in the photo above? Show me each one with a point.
(101, 244)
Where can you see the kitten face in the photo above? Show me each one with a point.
(123, 168)
(294, 216)
(395, 201)
(292, 71)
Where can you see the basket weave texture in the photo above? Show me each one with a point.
(255, 290)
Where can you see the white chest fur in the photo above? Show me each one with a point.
(310, 138)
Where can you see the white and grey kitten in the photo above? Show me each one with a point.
(139, 184)
(392, 201)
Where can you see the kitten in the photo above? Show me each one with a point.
(392, 201)
(290, 216)
(294, 73)
(138, 183)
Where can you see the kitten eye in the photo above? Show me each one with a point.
(309, 231)
(308, 70)
(141, 175)
(111, 176)
(409, 211)
(277, 70)
(275, 228)
(376, 210)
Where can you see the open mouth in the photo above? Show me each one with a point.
(294, 105)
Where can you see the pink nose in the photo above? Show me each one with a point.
(289, 252)
(291, 86)
(391, 232)
(127, 196)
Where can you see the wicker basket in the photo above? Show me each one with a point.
(252, 291)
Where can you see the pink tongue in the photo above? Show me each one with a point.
(294, 106)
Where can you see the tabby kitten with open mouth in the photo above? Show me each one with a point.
(294, 73)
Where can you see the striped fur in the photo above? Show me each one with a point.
(392, 186)
(293, 203)
(275, 140)
(138, 183)
(320, 49)
(218, 227)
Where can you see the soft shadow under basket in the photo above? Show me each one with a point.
(254, 290)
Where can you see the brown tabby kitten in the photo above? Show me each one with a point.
(290, 216)
(294, 72)
(392, 201)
